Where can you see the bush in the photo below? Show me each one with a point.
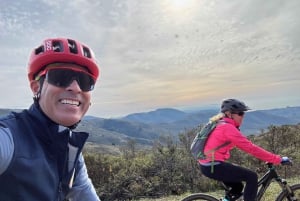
(169, 168)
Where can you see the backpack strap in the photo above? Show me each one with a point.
(222, 145)
(212, 151)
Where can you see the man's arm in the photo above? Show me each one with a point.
(83, 188)
(6, 148)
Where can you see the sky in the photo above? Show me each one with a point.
(180, 54)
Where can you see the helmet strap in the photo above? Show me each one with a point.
(37, 96)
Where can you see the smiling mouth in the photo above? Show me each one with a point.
(70, 102)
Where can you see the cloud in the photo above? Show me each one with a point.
(156, 53)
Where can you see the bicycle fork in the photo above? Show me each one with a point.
(286, 188)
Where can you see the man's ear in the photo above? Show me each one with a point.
(35, 86)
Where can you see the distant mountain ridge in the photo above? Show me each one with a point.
(164, 115)
(254, 121)
(148, 126)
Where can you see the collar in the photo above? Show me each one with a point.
(36, 106)
(51, 132)
(231, 121)
(46, 129)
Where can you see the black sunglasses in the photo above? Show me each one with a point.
(64, 76)
(239, 113)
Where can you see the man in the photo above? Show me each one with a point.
(40, 154)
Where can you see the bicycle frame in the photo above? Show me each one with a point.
(265, 181)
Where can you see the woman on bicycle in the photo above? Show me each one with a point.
(225, 137)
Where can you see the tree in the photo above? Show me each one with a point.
(129, 150)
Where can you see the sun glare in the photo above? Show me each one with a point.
(180, 4)
(180, 9)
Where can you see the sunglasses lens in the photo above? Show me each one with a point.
(64, 77)
(241, 113)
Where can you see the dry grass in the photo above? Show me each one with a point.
(270, 195)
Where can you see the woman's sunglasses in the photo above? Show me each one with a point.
(64, 76)
(239, 113)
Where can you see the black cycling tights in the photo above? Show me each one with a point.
(233, 175)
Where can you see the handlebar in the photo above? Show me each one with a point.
(271, 165)
(287, 163)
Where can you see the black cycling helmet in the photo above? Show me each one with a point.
(233, 105)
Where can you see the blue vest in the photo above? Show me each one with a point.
(39, 167)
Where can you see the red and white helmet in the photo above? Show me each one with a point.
(61, 50)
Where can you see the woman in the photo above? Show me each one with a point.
(227, 133)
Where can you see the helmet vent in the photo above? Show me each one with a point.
(39, 50)
(72, 46)
(86, 52)
(57, 46)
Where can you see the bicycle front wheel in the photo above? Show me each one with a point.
(294, 196)
(199, 196)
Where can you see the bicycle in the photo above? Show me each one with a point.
(291, 193)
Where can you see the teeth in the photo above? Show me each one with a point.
(70, 102)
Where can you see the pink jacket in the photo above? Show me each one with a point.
(227, 132)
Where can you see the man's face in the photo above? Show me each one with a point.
(64, 105)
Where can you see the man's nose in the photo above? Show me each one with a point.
(74, 86)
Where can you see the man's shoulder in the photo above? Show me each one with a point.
(9, 117)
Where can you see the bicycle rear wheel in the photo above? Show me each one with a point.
(199, 196)
(286, 196)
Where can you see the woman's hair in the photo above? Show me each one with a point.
(217, 117)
